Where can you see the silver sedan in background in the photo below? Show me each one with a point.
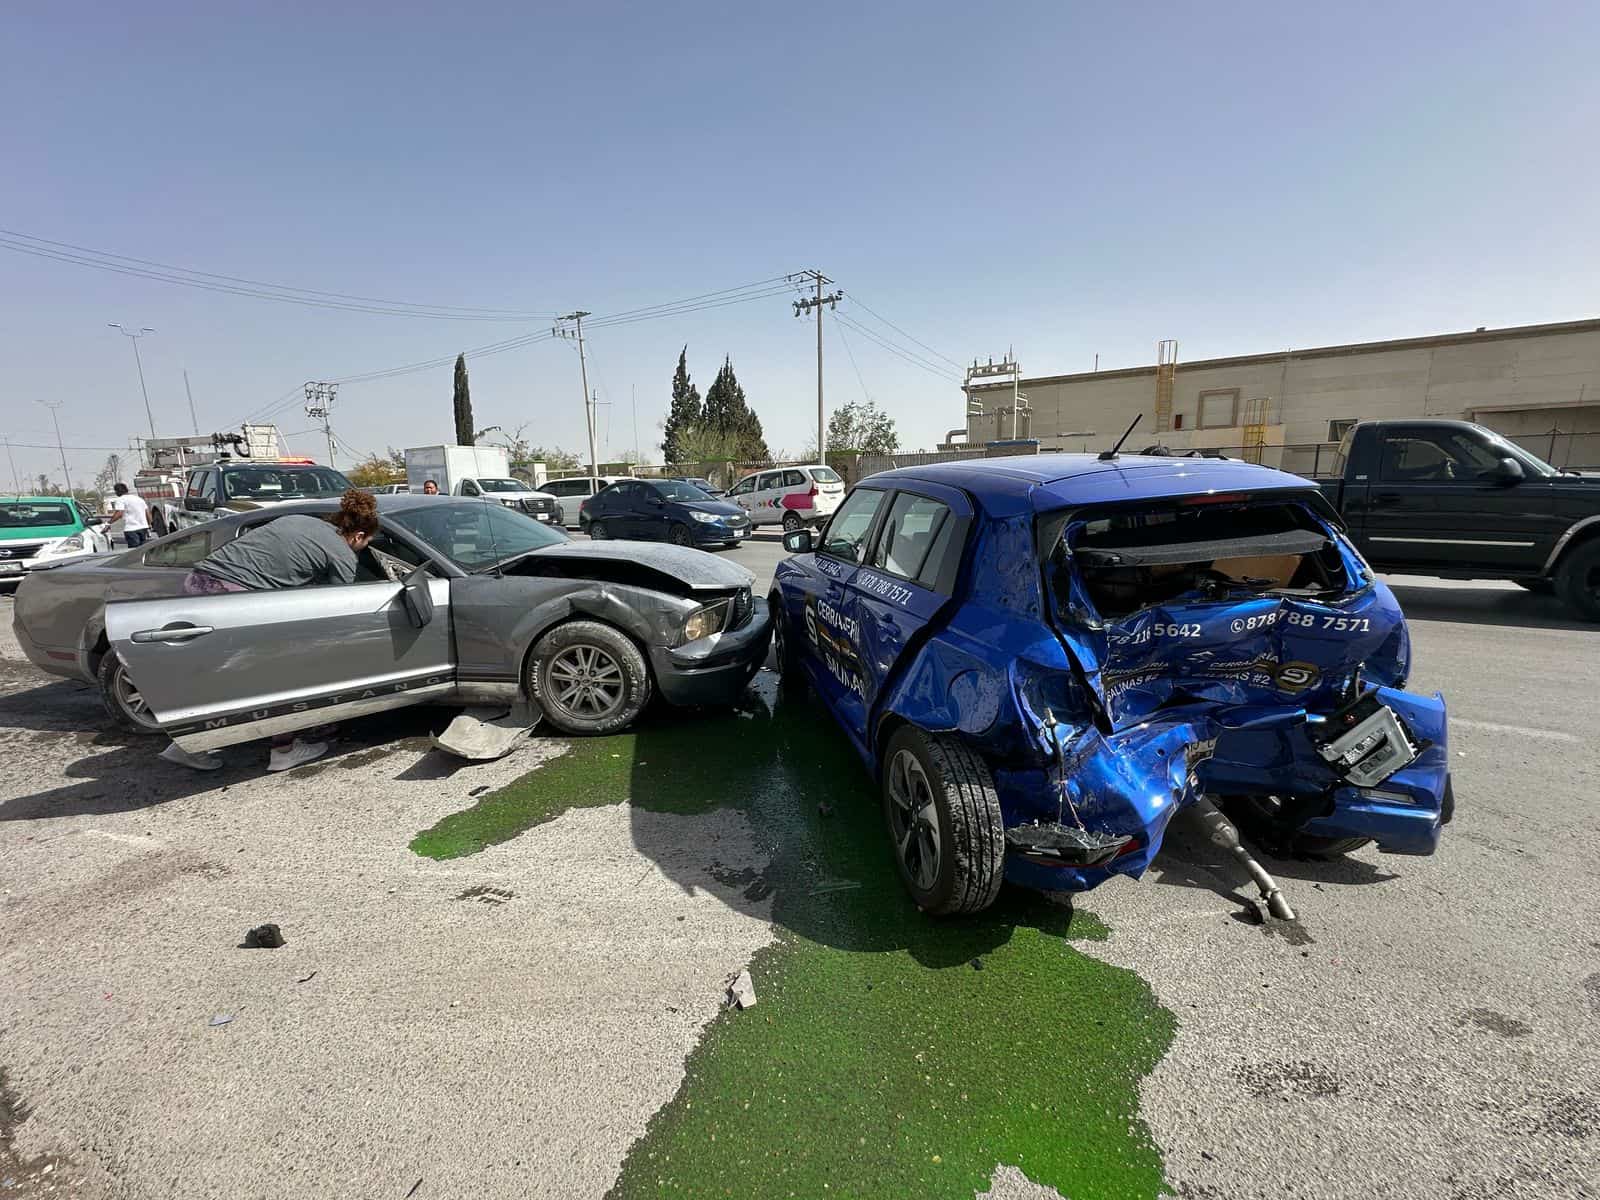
(458, 602)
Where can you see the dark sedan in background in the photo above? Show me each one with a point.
(663, 510)
(457, 602)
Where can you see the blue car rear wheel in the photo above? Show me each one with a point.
(944, 823)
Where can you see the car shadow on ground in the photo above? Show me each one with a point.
(61, 705)
(1512, 607)
(1189, 858)
(127, 773)
(831, 877)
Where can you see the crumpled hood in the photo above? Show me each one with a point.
(693, 567)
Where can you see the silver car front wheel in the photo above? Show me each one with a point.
(588, 678)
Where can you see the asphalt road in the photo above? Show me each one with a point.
(507, 1024)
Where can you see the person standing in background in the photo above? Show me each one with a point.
(135, 515)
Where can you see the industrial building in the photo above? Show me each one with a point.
(1537, 384)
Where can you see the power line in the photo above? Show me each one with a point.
(53, 446)
(898, 351)
(852, 355)
(856, 299)
(120, 264)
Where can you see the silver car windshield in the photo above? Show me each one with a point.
(476, 536)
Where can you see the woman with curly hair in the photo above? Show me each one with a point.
(292, 551)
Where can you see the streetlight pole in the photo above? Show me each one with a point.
(139, 363)
(10, 458)
(53, 405)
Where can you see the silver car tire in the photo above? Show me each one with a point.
(121, 699)
(588, 678)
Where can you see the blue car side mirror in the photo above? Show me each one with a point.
(800, 541)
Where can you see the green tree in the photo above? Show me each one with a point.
(110, 475)
(463, 404)
(389, 467)
(523, 454)
(727, 412)
(685, 411)
(703, 444)
(862, 427)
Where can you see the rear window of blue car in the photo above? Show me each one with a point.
(909, 535)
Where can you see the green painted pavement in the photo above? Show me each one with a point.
(880, 1061)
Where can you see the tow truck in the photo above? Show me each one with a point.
(188, 481)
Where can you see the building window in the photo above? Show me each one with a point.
(1219, 409)
(1337, 429)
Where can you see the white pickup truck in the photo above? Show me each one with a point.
(483, 471)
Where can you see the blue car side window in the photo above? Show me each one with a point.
(847, 532)
(909, 536)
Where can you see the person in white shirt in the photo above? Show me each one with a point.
(135, 515)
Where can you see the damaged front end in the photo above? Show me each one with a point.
(1231, 647)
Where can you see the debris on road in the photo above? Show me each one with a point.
(742, 991)
(307, 978)
(485, 734)
(220, 1019)
(264, 937)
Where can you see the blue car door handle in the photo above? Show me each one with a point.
(174, 633)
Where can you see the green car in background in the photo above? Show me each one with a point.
(41, 531)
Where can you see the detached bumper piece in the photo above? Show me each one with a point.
(1054, 844)
(1366, 742)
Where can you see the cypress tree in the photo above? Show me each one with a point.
(463, 404)
(727, 412)
(685, 411)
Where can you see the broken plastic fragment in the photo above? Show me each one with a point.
(742, 991)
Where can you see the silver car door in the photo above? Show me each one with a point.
(221, 669)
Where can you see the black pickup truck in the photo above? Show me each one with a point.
(1456, 500)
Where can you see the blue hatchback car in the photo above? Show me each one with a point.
(1043, 658)
(663, 510)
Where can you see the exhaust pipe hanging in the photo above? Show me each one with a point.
(1222, 832)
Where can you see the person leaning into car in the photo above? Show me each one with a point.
(292, 551)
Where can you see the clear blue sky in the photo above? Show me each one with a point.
(1065, 178)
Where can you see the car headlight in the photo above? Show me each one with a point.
(705, 518)
(705, 621)
(67, 545)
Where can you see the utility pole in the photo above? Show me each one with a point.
(801, 307)
(10, 458)
(193, 420)
(583, 369)
(319, 405)
(134, 337)
(53, 405)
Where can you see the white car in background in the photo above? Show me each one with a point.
(790, 496)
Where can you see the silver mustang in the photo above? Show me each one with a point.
(459, 601)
